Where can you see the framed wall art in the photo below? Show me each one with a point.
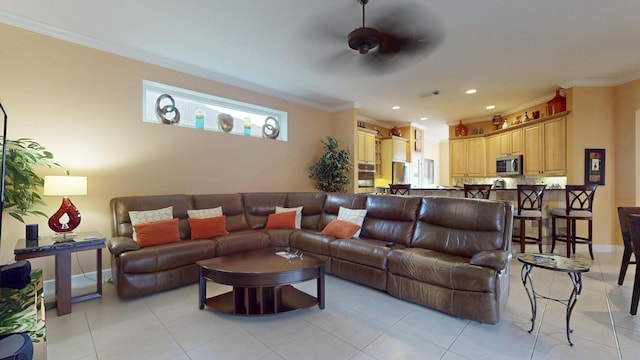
(594, 165)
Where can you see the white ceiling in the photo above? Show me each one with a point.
(514, 52)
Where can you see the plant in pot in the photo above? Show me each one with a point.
(331, 170)
(21, 181)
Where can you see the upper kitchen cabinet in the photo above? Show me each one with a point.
(544, 148)
(366, 146)
(396, 147)
(511, 143)
(492, 146)
(467, 157)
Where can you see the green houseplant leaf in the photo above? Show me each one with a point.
(21, 180)
(331, 170)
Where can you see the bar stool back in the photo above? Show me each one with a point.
(623, 217)
(529, 208)
(476, 191)
(579, 205)
(634, 228)
(399, 189)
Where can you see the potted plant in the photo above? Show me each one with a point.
(21, 181)
(330, 172)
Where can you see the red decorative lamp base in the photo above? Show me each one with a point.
(67, 208)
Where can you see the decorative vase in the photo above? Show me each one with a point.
(461, 130)
(395, 131)
(556, 105)
(225, 122)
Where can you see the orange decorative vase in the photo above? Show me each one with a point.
(395, 131)
(556, 105)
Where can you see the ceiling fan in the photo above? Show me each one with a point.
(404, 30)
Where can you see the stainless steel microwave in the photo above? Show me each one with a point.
(509, 165)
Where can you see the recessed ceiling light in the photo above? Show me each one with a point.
(471, 91)
(424, 118)
(490, 107)
(396, 107)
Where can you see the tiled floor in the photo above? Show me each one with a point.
(358, 323)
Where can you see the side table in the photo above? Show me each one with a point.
(573, 267)
(48, 246)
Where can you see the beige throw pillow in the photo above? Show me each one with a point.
(205, 213)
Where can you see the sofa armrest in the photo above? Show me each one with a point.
(120, 244)
(496, 259)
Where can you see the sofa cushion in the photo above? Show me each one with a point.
(391, 218)
(445, 270)
(149, 216)
(460, 226)
(207, 228)
(333, 203)
(340, 229)
(241, 241)
(168, 256)
(232, 207)
(258, 206)
(120, 207)
(284, 220)
(365, 252)
(157, 232)
(312, 205)
(204, 213)
(311, 241)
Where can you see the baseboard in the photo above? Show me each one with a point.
(79, 283)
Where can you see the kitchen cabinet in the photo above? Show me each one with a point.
(366, 147)
(511, 143)
(492, 145)
(396, 147)
(544, 148)
(378, 157)
(467, 157)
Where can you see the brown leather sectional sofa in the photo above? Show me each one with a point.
(450, 254)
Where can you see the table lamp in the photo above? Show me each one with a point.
(65, 186)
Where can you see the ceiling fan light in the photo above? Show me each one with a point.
(363, 39)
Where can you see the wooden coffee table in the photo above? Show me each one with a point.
(262, 282)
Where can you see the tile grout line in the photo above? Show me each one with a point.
(613, 324)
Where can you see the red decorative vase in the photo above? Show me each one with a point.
(556, 105)
(461, 130)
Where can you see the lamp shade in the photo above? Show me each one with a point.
(65, 185)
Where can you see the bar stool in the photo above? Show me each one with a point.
(476, 191)
(399, 189)
(529, 208)
(634, 229)
(623, 217)
(579, 205)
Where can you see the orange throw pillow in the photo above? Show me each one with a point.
(341, 229)
(207, 228)
(157, 232)
(285, 220)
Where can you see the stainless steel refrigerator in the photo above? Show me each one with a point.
(399, 173)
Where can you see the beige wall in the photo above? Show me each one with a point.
(627, 104)
(591, 124)
(344, 127)
(85, 107)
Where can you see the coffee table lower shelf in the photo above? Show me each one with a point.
(260, 300)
